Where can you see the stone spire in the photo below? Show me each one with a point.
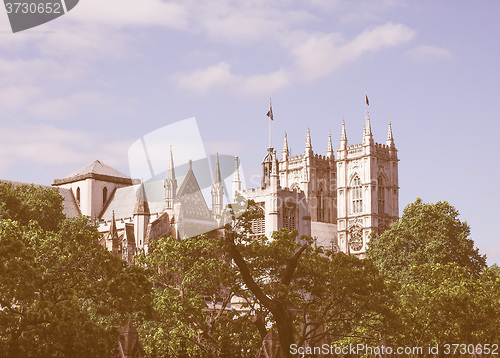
(217, 178)
(170, 184)
(285, 153)
(390, 139)
(217, 191)
(236, 177)
(308, 148)
(141, 217)
(329, 150)
(343, 137)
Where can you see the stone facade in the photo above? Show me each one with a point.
(338, 201)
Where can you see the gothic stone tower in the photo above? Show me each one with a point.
(315, 175)
(367, 189)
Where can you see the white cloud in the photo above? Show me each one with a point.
(317, 55)
(220, 77)
(426, 53)
(203, 80)
(245, 21)
(132, 13)
(15, 98)
(72, 105)
(20, 71)
(47, 145)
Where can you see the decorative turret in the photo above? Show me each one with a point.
(285, 153)
(217, 191)
(367, 133)
(329, 150)
(170, 183)
(308, 149)
(141, 217)
(343, 137)
(390, 139)
(267, 164)
(236, 177)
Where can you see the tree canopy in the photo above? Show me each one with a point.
(443, 290)
(61, 293)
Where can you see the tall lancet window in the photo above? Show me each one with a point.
(357, 196)
(104, 195)
(320, 210)
(78, 195)
(381, 196)
(259, 224)
(289, 217)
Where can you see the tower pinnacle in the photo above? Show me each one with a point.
(236, 177)
(217, 178)
(343, 137)
(284, 154)
(390, 139)
(308, 148)
(170, 184)
(217, 191)
(329, 150)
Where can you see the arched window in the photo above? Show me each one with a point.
(104, 195)
(381, 196)
(259, 224)
(357, 196)
(289, 217)
(78, 195)
(320, 210)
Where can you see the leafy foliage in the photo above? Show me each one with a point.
(61, 293)
(444, 291)
(194, 285)
(426, 233)
(307, 294)
(23, 203)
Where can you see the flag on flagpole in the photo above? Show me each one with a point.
(367, 102)
(270, 113)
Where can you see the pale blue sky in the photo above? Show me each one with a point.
(90, 83)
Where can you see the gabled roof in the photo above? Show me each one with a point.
(192, 201)
(96, 170)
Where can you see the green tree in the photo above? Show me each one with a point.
(23, 203)
(308, 295)
(194, 285)
(61, 293)
(426, 233)
(444, 291)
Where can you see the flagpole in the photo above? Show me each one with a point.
(270, 120)
(366, 104)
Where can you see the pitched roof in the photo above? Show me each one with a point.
(96, 170)
(123, 201)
